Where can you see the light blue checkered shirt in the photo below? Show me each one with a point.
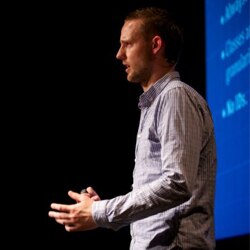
(171, 205)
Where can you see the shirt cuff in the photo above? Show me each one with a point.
(99, 213)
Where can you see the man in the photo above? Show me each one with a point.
(171, 205)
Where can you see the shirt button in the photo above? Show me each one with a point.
(139, 135)
(135, 160)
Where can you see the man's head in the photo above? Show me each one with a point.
(157, 21)
(150, 45)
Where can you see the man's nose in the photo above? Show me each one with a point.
(119, 54)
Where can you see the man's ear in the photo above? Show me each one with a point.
(157, 43)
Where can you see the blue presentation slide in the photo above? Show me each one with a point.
(227, 84)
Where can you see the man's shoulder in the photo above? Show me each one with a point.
(183, 88)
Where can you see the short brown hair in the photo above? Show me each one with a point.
(158, 21)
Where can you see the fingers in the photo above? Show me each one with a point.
(70, 228)
(89, 192)
(69, 222)
(59, 216)
(93, 195)
(61, 207)
(75, 196)
(78, 197)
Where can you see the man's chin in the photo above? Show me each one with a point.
(131, 79)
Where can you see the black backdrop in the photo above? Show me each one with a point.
(88, 111)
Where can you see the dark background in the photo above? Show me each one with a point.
(88, 113)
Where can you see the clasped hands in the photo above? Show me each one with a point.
(78, 216)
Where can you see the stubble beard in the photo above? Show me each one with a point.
(138, 76)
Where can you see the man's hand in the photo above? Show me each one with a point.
(78, 216)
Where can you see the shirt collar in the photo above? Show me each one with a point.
(146, 98)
